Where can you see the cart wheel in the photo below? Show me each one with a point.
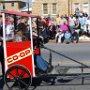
(18, 77)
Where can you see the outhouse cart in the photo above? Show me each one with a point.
(19, 51)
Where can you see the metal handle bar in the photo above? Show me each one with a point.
(82, 64)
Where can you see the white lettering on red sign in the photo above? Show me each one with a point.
(18, 56)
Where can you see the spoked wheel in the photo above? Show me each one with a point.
(18, 77)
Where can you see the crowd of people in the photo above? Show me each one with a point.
(64, 28)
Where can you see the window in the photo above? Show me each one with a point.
(45, 8)
(12, 4)
(54, 9)
(85, 8)
(3, 5)
(76, 6)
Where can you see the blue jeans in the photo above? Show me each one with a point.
(74, 38)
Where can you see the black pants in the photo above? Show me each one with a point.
(2, 60)
(62, 39)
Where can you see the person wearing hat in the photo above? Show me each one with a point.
(59, 36)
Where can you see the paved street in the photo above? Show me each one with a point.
(79, 52)
(67, 52)
(69, 55)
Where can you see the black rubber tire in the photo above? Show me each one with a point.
(17, 80)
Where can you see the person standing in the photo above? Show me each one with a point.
(62, 20)
(77, 12)
(88, 26)
(22, 29)
(58, 21)
(22, 25)
(71, 22)
(82, 22)
(77, 26)
(52, 29)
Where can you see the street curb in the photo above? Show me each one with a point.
(54, 41)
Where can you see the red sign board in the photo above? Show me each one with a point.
(20, 53)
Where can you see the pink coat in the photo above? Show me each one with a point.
(64, 27)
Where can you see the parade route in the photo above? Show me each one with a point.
(79, 52)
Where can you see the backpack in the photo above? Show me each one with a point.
(41, 63)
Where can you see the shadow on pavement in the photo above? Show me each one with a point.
(48, 81)
(54, 81)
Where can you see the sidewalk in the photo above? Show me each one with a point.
(82, 39)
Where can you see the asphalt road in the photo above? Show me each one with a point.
(68, 55)
(79, 52)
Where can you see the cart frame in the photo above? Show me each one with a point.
(19, 78)
(11, 65)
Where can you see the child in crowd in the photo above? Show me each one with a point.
(74, 37)
(60, 37)
(67, 36)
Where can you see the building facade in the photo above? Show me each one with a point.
(83, 5)
(49, 7)
(61, 7)
(11, 4)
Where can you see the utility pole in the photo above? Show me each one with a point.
(89, 7)
(28, 6)
(0, 4)
(68, 7)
